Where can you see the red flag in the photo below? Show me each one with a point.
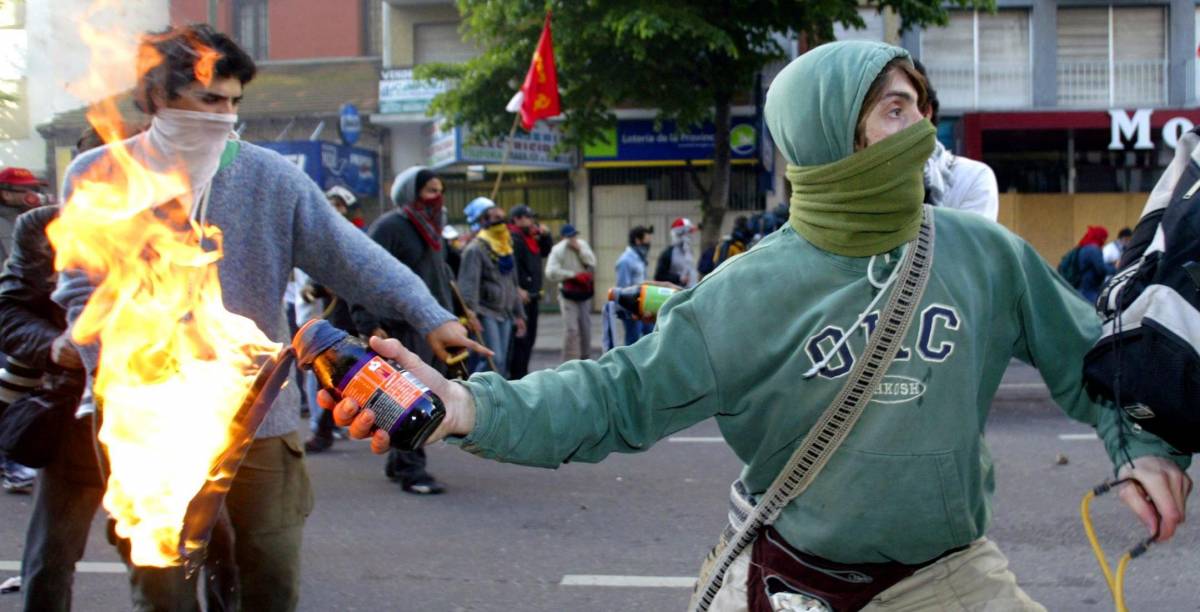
(540, 90)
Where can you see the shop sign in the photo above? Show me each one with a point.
(349, 123)
(537, 148)
(399, 92)
(1135, 128)
(637, 140)
(329, 164)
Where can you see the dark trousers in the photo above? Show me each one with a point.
(522, 348)
(406, 466)
(68, 493)
(268, 503)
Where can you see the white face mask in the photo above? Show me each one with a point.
(191, 138)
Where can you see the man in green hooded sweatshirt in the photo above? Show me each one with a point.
(898, 517)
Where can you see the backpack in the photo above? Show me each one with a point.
(1068, 268)
(1147, 360)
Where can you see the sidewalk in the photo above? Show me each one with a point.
(550, 334)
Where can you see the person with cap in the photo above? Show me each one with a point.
(20, 191)
(572, 264)
(677, 263)
(412, 232)
(531, 247)
(487, 280)
(897, 518)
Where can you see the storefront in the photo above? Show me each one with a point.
(1061, 171)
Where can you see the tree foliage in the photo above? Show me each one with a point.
(689, 59)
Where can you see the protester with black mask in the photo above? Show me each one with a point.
(531, 247)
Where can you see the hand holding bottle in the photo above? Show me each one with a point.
(460, 406)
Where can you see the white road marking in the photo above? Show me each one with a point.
(1078, 436)
(1022, 386)
(84, 567)
(674, 582)
(696, 439)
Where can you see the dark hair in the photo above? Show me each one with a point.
(875, 92)
(167, 61)
(1125, 233)
(638, 232)
(423, 177)
(933, 106)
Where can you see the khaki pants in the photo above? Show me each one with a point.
(973, 580)
(268, 502)
(577, 328)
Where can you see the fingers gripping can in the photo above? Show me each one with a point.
(346, 367)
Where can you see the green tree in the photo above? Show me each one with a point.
(690, 59)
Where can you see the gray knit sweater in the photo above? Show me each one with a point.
(274, 218)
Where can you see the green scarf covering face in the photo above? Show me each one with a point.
(867, 203)
(853, 204)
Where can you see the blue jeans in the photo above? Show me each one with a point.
(635, 329)
(497, 334)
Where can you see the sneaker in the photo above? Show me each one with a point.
(318, 444)
(18, 478)
(426, 485)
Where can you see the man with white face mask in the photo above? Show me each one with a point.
(272, 217)
(677, 263)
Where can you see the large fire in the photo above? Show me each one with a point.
(174, 365)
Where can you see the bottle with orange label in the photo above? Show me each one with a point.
(346, 367)
(643, 300)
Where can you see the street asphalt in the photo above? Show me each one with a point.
(506, 537)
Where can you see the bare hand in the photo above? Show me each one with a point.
(473, 321)
(460, 406)
(64, 354)
(378, 332)
(521, 328)
(524, 295)
(1159, 497)
(452, 334)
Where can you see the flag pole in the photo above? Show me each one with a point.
(504, 157)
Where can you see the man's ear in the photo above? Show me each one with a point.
(158, 97)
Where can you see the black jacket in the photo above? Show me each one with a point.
(530, 265)
(29, 319)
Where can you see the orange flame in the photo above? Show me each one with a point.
(206, 64)
(174, 365)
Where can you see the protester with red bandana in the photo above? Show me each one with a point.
(1092, 269)
(531, 247)
(412, 233)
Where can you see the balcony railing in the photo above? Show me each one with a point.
(1087, 84)
(1000, 84)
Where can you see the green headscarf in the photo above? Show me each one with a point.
(852, 204)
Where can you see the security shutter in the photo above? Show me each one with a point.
(440, 42)
(1004, 69)
(948, 54)
(873, 31)
(1083, 57)
(1139, 55)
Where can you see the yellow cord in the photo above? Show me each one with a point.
(1116, 583)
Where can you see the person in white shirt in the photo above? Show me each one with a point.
(573, 264)
(954, 181)
(1113, 250)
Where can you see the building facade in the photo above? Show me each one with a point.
(1076, 104)
(35, 40)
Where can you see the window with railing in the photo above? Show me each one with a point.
(1112, 56)
(980, 59)
(250, 24)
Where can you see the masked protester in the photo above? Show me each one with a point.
(531, 247)
(677, 263)
(273, 217)
(488, 281)
(898, 516)
(412, 233)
